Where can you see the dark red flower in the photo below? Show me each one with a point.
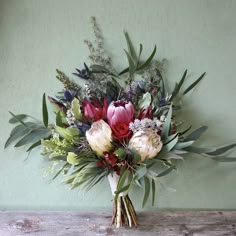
(94, 110)
(145, 113)
(110, 158)
(119, 115)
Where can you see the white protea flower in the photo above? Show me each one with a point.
(146, 142)
(99, 137)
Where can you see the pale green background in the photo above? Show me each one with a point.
(38, 36)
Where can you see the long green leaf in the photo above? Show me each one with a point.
(33, 136)
(194, 84)
(140, 52)
(179, 85)
(131, 49)
(196, 134)
(224, 159)
(124, 71)
(60, 170)
(19, 131)
(101, 69)
(222, 150)
(34, 145)
(45, 111)
(131, 65)
(166, 128)
(167, 171)
(59, 119)
(199, 150)
(19, 120)
(148, 61)
(123, 189)
(182, 145)
(153, 192)
(16, 119)
(140, 172)
(146, 190)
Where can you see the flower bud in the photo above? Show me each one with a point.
(146, 142)
(99, 137)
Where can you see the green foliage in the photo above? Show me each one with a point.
(76, 109)
(26, 132)
(194, 84)
(70, 134)
(167, 125)
(45, 111)
(145, 101)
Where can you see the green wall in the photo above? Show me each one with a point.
(36, 37)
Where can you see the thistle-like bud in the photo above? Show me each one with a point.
(99, 137)
(146, 142)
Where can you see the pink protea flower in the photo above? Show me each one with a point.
(119, 115)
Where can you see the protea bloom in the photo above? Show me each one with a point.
(94, 110)
(145, 113)
(119, 115)
(146, 142)
(99, 137)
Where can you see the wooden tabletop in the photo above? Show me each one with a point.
(163, 223)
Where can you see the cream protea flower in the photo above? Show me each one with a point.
(146, 142)
(99, 137)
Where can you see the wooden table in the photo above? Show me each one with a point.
(163, 223)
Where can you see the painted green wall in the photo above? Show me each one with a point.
(36, 37)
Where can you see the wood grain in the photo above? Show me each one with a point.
(163, 223)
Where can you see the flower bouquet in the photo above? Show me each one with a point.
(119, 125)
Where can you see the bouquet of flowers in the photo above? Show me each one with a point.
(119, 125)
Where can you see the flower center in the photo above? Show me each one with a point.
(120, 103)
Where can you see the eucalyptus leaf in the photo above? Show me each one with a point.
(19, 131)
(16, 119)
(34, 145)
(45, 111)
(146, 190)
(33, 136)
